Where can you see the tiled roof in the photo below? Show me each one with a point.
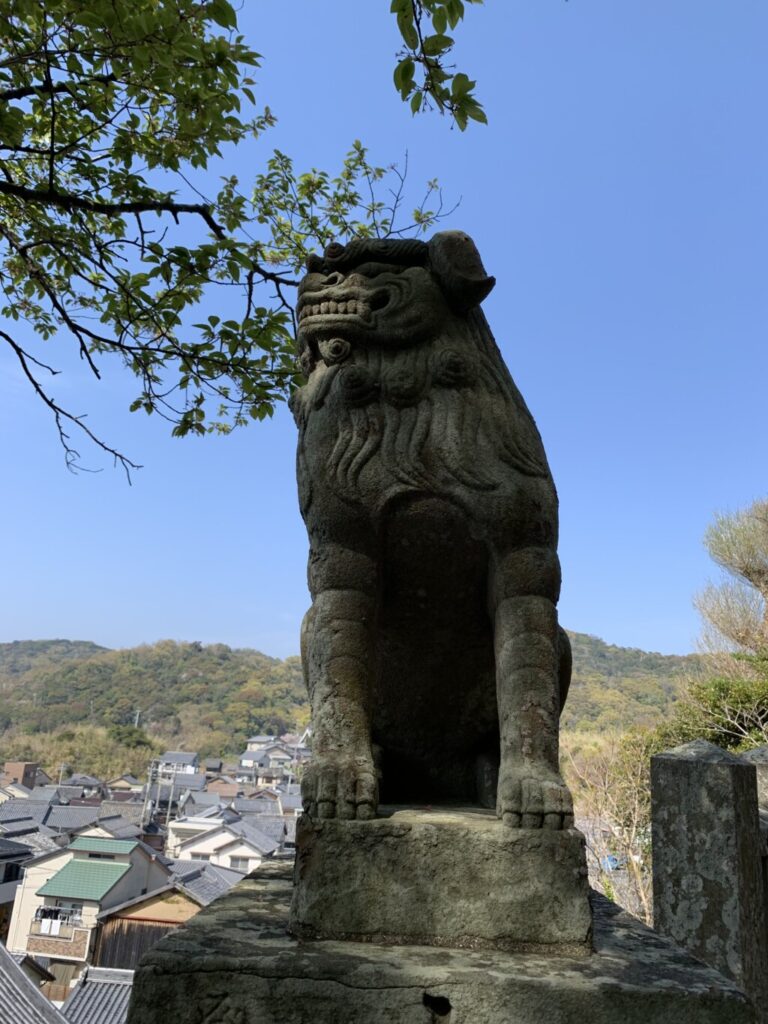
(100, 997)
(69, 819)
(118, 827)
(83, 780)
(272, 825)
(10, 849)
(205, 799)
(48, 794)
(84, 880)
(34, 964)
(21, 1002)
(94, 844)
(179, 757)
(71, 792)
(205, 882)
(253, 835)
(29, 834)
(261, 805)
(132, 810)
(24, 808)
(193, 781)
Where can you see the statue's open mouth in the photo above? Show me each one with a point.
(320, 306)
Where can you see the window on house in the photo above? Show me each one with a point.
(201, 856)
(240, 864)
(101, 856)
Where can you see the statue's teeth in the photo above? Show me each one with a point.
(342, 307)
(332, 307)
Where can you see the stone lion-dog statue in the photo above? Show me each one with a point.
(432, 654)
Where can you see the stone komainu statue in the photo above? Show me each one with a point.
(432, 653)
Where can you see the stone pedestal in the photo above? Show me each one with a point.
(439, 877)
(708, 884)
(235, 964)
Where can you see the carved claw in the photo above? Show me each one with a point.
(533, 797)
(340, 788)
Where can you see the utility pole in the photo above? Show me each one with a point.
(151, 775)
(170, 801)
(137, 713)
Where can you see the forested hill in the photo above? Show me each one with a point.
(615, 687)
(210, 692)
(225, 695)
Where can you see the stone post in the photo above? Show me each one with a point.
(758, 756)
(707, 865)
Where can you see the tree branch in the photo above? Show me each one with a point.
(48, 88)
(60, 414)
(64, 201)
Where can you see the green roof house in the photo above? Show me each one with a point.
(63, 892)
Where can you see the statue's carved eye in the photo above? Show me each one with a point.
(374, 269)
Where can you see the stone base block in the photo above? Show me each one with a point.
(235, 964)
(437, 877)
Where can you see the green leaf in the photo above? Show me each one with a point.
(440, 20)
(408, 29)
(222, 13)
(437, 44)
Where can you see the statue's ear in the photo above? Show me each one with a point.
(455, 261)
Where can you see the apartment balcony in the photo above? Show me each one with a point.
(65, 936)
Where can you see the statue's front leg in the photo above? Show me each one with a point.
(531, 791)
(340, 782)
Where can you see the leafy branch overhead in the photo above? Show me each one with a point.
(422, 75)
(113, 116)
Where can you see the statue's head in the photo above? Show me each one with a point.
(388, 292)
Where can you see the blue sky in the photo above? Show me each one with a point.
(618, 195)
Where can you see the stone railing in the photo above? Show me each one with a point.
(710, 859)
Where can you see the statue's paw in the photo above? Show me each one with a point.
(340, 788)
(532, 797)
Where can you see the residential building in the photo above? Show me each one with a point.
(276, 756)
(22, 772)
(12, 856)
(225, 786)
(181, 830)
(32, 969)
(62, 893)
(125, 784)
(259, 742)
(128, 930)
(236, 845)
(178, 762)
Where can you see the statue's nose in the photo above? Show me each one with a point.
(334, 278)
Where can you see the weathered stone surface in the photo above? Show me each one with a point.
(442, 877)
(433, 657)
(708, 889)
(235, 964)
(758, 756)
